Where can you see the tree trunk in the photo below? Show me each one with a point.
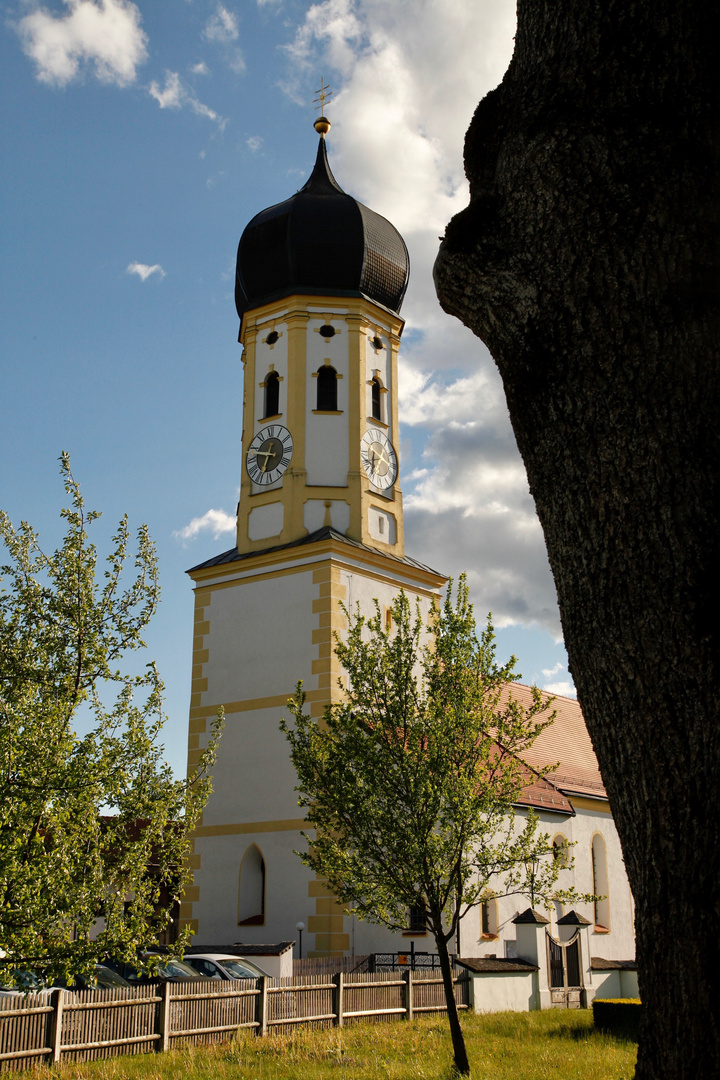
(462, 1066)
(588, 260)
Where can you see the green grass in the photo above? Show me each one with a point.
(549, 1045)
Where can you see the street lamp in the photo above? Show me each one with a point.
(300, 927)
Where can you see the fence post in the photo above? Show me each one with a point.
(408, 980)
(261, 1006)
(163, 1030)
(338, 995)
(58, 998)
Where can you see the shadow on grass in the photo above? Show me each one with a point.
(583, 1034)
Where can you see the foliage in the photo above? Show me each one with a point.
(90, 824)
(412, 780)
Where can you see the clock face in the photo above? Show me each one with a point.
(378, 458)
(269, 454)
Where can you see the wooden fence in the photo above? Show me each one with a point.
(89, 1024)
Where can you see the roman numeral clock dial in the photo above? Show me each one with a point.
(378, 458)
(269, 454)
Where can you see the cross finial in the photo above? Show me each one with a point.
(323, 94)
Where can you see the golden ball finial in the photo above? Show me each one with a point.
(322, 125)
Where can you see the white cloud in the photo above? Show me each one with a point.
(549, 672)
(200, 68)
(175, 94)
(144, 271)
(254, 143)
(222, 29)
(105, 34)
(215, 521)
(566, 689)
(222, 26)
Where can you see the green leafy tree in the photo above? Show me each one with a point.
(411, 782)
(91, 825)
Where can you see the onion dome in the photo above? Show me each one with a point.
(321, 242)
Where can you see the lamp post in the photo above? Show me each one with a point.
(300, 927)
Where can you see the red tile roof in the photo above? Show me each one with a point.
(565, 743)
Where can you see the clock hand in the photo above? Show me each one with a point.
(266, 454)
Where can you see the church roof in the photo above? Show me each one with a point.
(324, 533)
(320, 241)
(565, 741)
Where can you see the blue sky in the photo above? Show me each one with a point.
(138, 139)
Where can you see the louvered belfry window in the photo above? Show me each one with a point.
(272, 394)
(327, 389)
(376, 408)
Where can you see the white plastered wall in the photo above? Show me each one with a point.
(265, 521)
(286, 888)
(503, 992)
(381, 525)
(260, 637)
(314, 514)
(619, 943)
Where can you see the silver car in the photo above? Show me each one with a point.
(223, 966)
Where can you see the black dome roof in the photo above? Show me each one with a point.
(320, 241)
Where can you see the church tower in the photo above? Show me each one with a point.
(319, 286)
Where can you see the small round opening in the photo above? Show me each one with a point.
(327, 331)
(377, 343)
(272, 337)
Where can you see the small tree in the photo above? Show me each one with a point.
(411, 781)
(90, 825)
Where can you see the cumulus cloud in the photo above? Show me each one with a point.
(144, 271)
(566, 689)
(254, 143)
(102, 35)
(175, 94)
(216, 522)
(200, 68)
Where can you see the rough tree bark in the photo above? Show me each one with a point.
(588, 260)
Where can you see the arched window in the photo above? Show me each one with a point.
(489, 918)
(327, 389)
(376, 407)
(600, 883)
(272, 394)
(251, 895)
(560, 850)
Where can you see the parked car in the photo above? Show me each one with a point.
(169, 970)
(104, 978)
(223, 966)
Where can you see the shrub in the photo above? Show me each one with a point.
(617, 1016)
